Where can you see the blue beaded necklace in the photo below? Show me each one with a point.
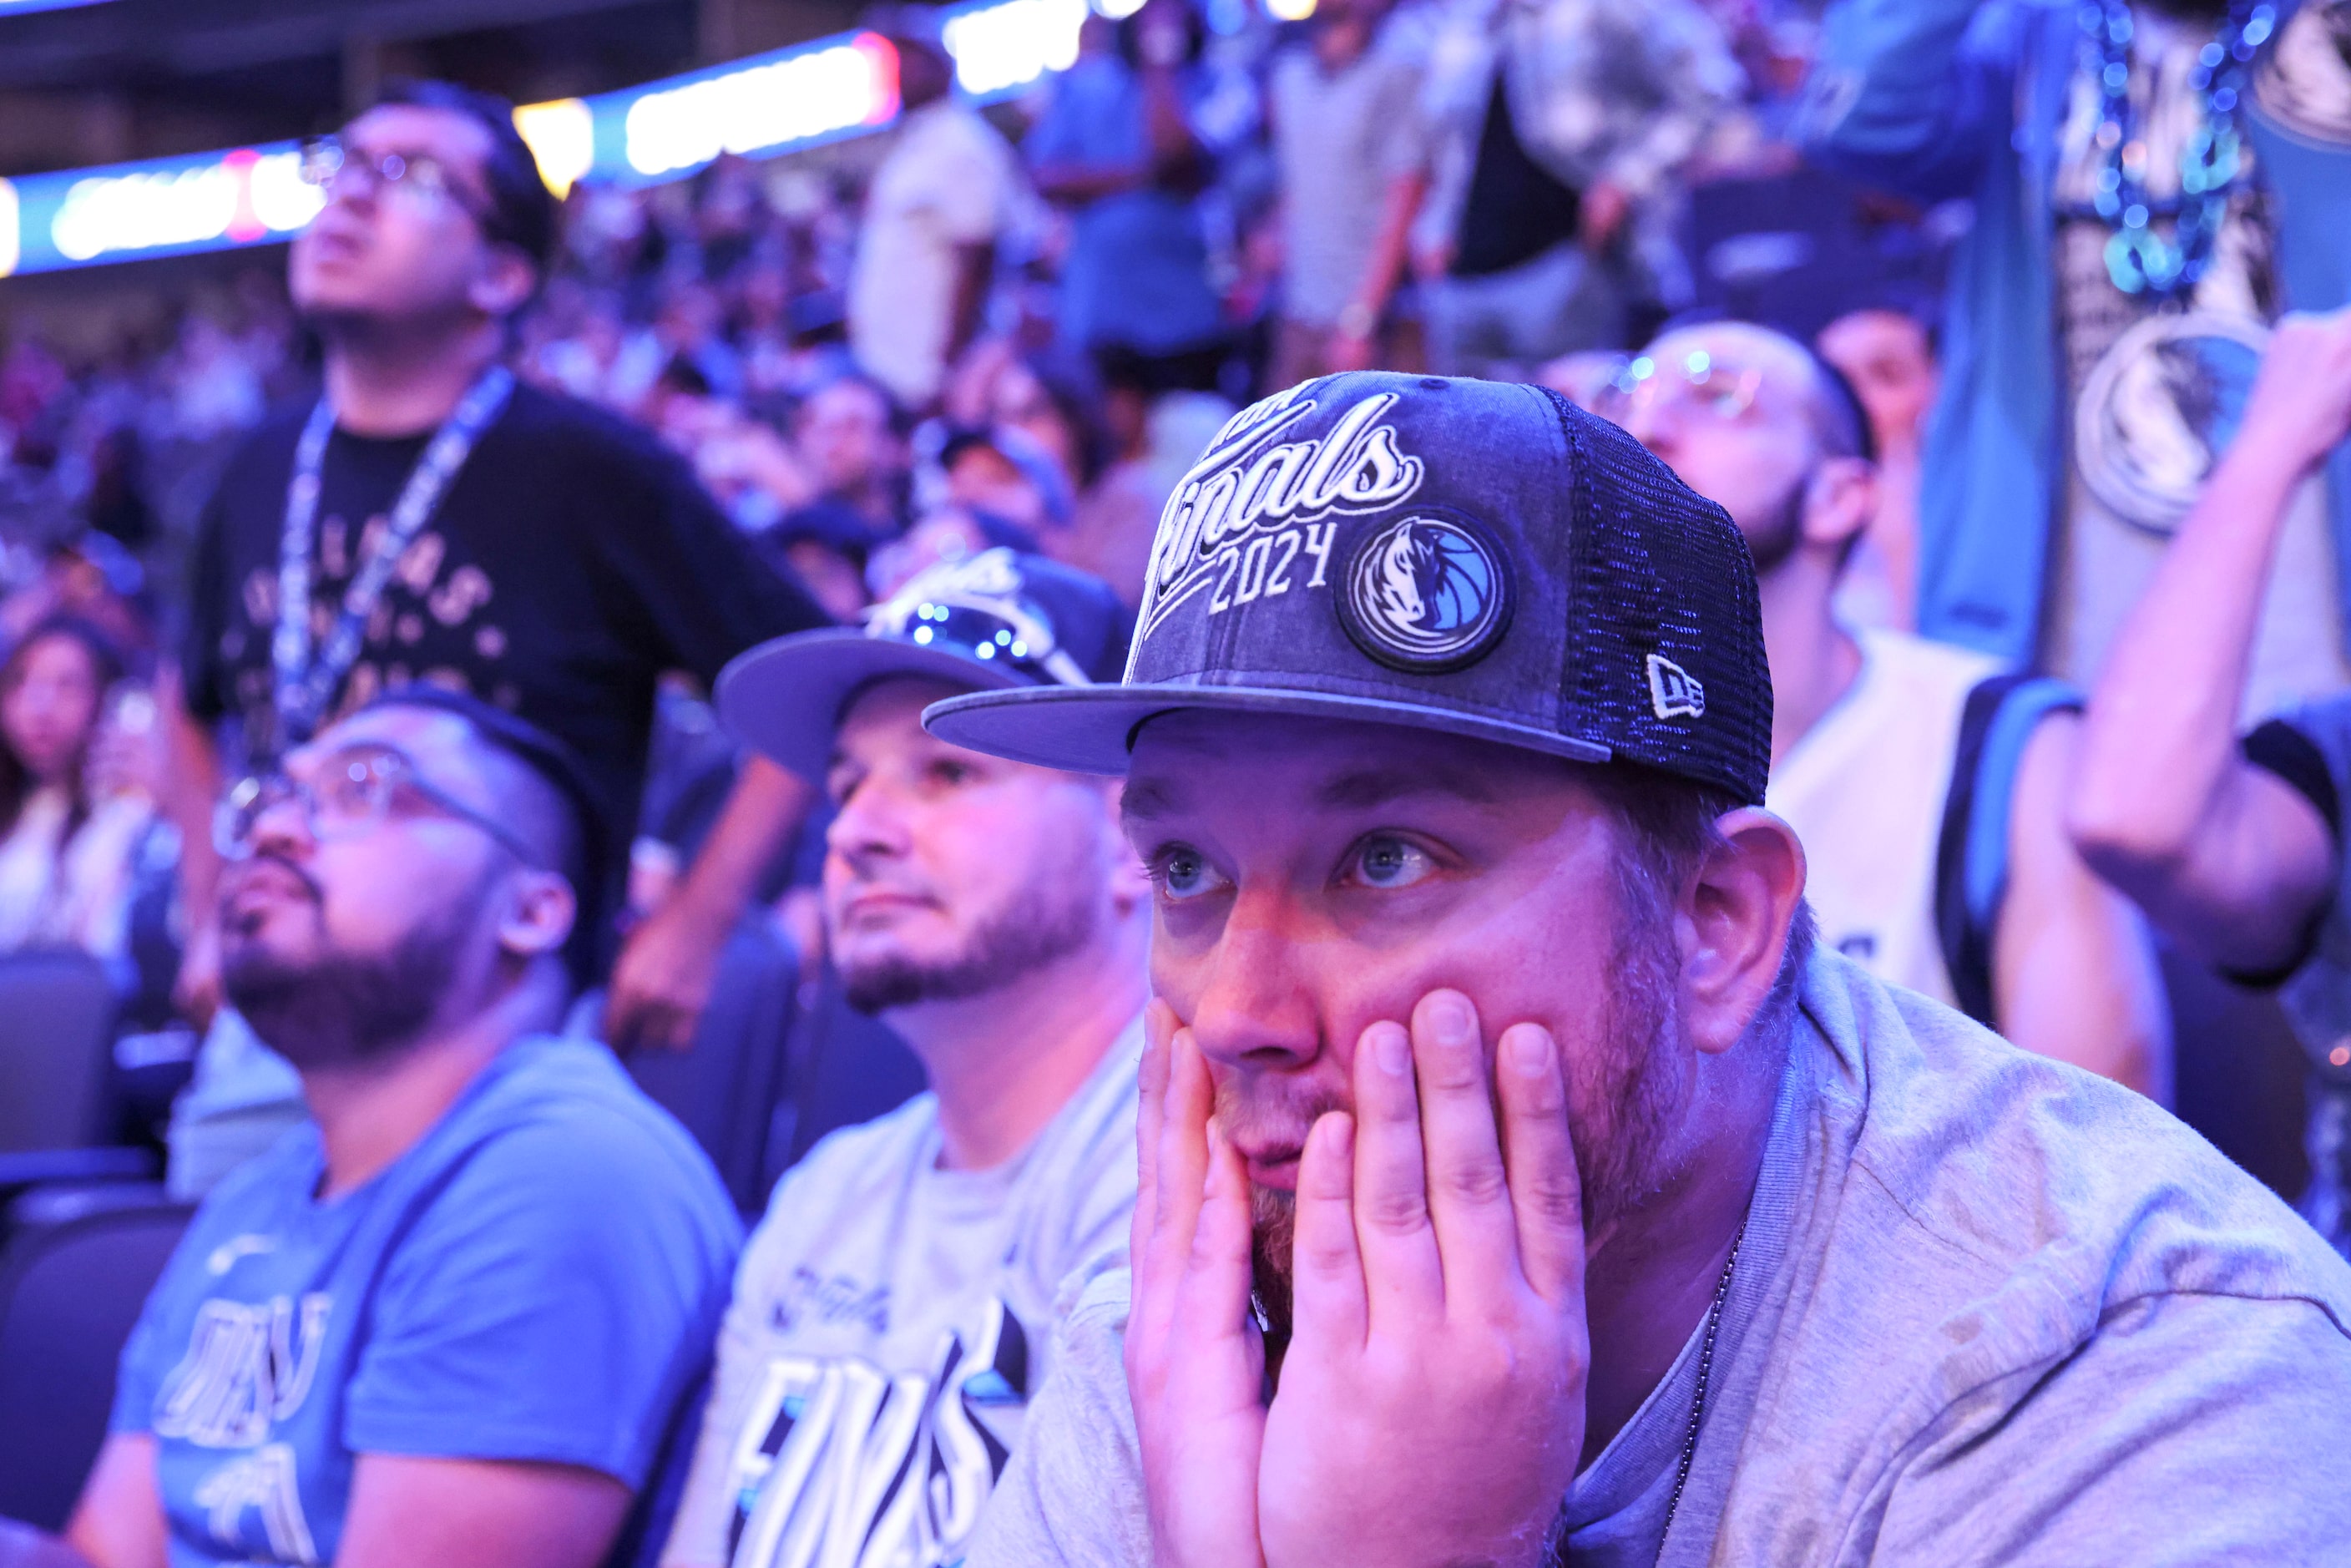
(2139, 259)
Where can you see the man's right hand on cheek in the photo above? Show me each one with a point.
(1194, 1359)
(1431, 1405)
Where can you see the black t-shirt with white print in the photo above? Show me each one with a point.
(571, 563)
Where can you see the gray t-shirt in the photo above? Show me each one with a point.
(1990, 1308)
(1340, 139)
(889, 1327)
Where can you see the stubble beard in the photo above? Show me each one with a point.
(1629, 1077)
(1778, 539)
(348, 1009)
(1057, 913)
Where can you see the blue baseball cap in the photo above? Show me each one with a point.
(997, 621)
(1473, 558)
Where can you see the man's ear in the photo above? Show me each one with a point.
(539, 915)
(503, 283)
(1840, 500)
(1733, 926)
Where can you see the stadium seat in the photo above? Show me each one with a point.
(725, 1088)
(847, 1068)
(56, 1015)
(75, 1272)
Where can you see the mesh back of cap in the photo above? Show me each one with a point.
(1660, 569)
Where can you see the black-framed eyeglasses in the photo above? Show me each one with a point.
(327, 162)
(349, 794)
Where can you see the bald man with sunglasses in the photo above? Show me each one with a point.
(1926, 781)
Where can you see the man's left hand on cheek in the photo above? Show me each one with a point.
(1431, 1406)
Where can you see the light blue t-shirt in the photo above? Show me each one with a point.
(539, 1278)
(1136, 274)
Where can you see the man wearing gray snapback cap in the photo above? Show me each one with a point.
(1517, 1183)
(890, 1318)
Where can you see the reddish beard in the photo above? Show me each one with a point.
(1621, 1092)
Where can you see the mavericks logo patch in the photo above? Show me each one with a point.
(1256, 516)
(1425, 593)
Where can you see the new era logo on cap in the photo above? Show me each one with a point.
(1672, 693)
(1465, 556)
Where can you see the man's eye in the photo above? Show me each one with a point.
(949, 773)
(1392, 864)
(1184, 874)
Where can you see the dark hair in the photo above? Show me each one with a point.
(588, 865)
(16, 784)
(925, 47)
(522, 209)
(894, 412)
(1846, 430)
(1130, 36)
(684, 376)
(1070, 385)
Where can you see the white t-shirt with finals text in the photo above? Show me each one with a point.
(950, 180)
(890, 1326)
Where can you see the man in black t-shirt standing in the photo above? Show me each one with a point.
(1558, 130)
(432, 520)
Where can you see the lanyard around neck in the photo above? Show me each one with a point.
(308, 679)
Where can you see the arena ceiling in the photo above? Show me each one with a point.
(203, 72)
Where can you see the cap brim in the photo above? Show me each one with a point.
(1091, 729)
(784, 698)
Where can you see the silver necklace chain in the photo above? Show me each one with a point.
(1558, 1547)
(1705, 1378)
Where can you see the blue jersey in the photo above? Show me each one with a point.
(539, 1278)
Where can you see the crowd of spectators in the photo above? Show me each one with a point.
(1017, 328)
(946, 384)
(1020, 326)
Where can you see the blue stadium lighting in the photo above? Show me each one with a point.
(785, 101)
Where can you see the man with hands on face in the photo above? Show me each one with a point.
(1516, 1181)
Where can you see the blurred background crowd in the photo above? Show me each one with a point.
(1020, 325)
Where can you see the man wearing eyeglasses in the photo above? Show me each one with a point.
(890, 1320)
(1926, 781)
(429, 519)
(451, 1321)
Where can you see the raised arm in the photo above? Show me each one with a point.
(193, 783)
(2232, 861)
(2073, 975)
